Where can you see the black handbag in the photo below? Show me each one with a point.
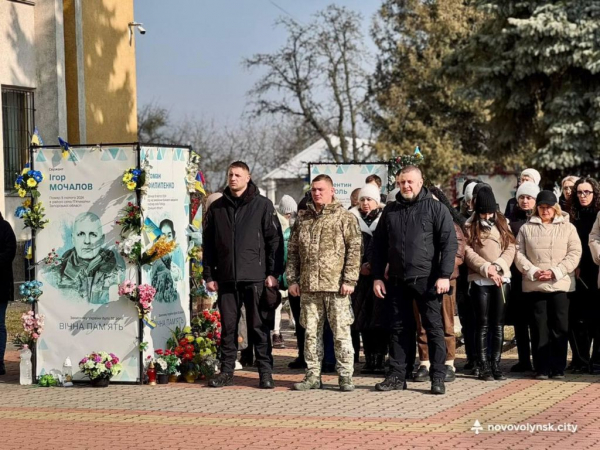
(270, 299)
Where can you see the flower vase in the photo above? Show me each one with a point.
(100, 382)
(190, 376)
(173, 378)
(162, 378)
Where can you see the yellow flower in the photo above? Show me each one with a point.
(190, 338)
(27, 203)
(17, 186)
(25, 170)
(187, 329)
(127, 177)
(65, 154)
(31, 182)
(131, 185)
(22, 193)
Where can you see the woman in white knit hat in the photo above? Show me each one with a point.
(518, 310)
(529, 174)
(366, 314)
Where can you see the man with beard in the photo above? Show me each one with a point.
(416, 236)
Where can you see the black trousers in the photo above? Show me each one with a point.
(231, 298)
(582, 323)
(375, 342)
(522, 319)
(488, 304)
(550, 326)
(466, 315)
(295, 307)
(403, 344)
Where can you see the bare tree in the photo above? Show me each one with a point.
(317, 76)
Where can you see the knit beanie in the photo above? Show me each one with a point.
(391, 197)
(485, 201)
(469, 192)
(528, 188)
(211, 198)
(287, 205)
(370, 191)
(533, 174)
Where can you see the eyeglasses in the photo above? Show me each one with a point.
(584, 193)
(568, 188)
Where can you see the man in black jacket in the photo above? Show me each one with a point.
(243, 253)
(416, 237)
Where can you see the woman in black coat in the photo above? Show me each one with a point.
(8, 248)
(366, 308)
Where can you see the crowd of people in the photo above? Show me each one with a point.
(390, 272)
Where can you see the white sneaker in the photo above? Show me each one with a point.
(238, 366)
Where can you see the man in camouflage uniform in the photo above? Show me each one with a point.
(324, 256)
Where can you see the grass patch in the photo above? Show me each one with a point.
(13, 318)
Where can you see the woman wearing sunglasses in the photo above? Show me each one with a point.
(584, 206)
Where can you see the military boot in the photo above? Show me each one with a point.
(310, 382)
(346, 384)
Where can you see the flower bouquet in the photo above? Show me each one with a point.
(167, 363)
(141, 295)
(31, 291)
(130, 218)
(34, 217)
(33, 325)
(134, 178)
(131, 248)
(160, 248)
(52, 259)
(28, 181)
(100, 367)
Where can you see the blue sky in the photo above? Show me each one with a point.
(189, 61)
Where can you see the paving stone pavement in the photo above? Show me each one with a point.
(184, 416)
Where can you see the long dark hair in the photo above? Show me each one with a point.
(475, 231)
(573, 204)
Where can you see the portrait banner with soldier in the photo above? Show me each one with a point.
(78, 260)
(166, 214)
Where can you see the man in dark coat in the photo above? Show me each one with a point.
(243, 253)
(8, 248)
(415, 236)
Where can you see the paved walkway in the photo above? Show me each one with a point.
(188, 416)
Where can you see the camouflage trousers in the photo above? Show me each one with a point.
(315, 308)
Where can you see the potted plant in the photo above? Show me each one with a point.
(100, 367)
(172, 361)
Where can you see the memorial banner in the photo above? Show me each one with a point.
(83, 195)
(347, 177)
(166, 211)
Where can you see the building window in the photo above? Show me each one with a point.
(18, 116)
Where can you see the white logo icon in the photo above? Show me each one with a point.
(477, 427)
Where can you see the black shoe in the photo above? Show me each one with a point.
(485, 371)
(541, 376)
(379, 364)
(437, 387)
(391, 383)
(266, 381)
(297, 363)
(369, 366)
(246, 362)
(521, 367)
(577, 370)
(223, 379)
(450, 374)
(496, 372)
(470, 365)
(327, 368)
(476, 371)
(2, 370)
(422, 374)
(594, 369)
(557, 375)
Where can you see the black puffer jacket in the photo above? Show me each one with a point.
(242, 238)
(417, 238)
(8, 249)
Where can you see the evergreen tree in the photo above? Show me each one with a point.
(536, 65)
(413, 102)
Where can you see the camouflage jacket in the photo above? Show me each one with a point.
(324, 250)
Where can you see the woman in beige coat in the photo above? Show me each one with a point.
(548, 252)
(489, 252)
